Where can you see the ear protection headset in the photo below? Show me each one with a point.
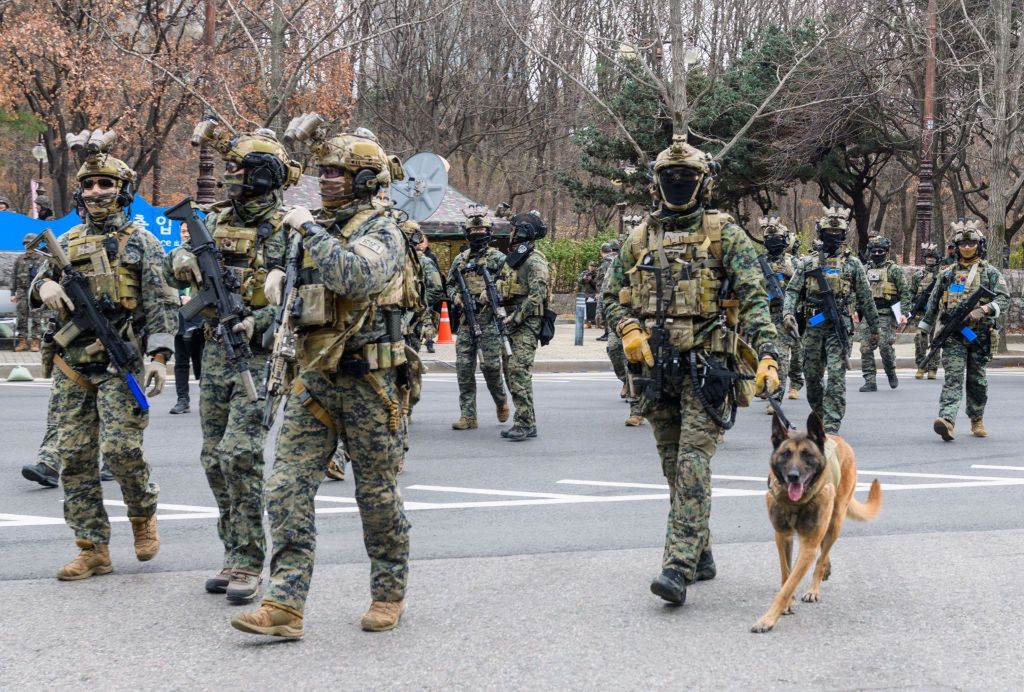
(263, 173)
(365, 183)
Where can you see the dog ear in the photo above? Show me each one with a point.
(816, 430)
(779, 432)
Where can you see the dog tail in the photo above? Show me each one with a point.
(866, 511)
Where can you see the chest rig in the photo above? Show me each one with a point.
(927, 281)
(516, 286)
(837, 274)
(244, 254)
(686, 265)
(882, 290)
(114, 271)
(964, 281)
(782, 267)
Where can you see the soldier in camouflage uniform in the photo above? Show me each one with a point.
(700, 250)
(486, 347)
(609, 251)
(5, 203)
(354, 289)
(247, 228)
(30, 322)
(822, 349)
(420, 320)
(921, 285)
(888, 288)
(776, 243)
(964, 358)
(526, 291)
(616, 355)
(97, 410)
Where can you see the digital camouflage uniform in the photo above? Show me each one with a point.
(526, 296)
(30, 322)
(233, 433)
(602, 272)
(614, 345)
(487, 349)
(345, 388)
(963, 362)
(423, 322)
(888, 286)
(822, 351)
(783, 266)
(922, 282)
(685, 435)
(97, 412)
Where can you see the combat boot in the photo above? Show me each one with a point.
(182, 406)
(794, 393)
(335, 472)
(706, 569)
(919, 375)
(271, 620)
(430, 347)
(978, 428)
(22, 345)
(35, 346)
(503, 412)
(105, 473)
(147, 540)
(244, 586)
(464, 423)
(893, 380)
(43, 474)
(869, 387)
(517, 434)
(944, 428)
(382, 616)
(635, 421)
(219, 584)
(932, 374)
(768, 409)
(670, 586)
(94, 559)
(624, 392)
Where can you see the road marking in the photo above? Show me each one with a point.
(507, 493)
(997, 468)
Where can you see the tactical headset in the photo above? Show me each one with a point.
(263, 173)
(124, 199)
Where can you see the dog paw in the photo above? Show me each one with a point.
(789, 610)
(762, 626)
(810, 597)
(827, 574)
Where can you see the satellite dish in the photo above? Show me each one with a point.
(425, 185)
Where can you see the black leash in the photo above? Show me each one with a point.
(777, 407)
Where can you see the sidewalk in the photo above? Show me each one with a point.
(562, 355)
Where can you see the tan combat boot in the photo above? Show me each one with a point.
(22, 345)
(768, 409)
(383, 616)
(635, 421)
(502, 412)
(624, 392)
(147, 540)
(35, 346)
(94, 559)
(944, 428)
(334, 471)
(464, 423)
(919, 375)
(932, 374)
(978, 428)
(794, 393)
(272, 620)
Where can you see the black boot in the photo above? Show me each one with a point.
(181, 406)
(869, 387)
(42, 474)
(893, 380)
(670, 586)
(517, 434)
(706, 569)
(430, 346)
(105, 473)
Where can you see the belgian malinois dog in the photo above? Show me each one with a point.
(810, 491)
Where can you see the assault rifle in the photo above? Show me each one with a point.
(955, 323)
(918, 308)
(667, 359)
(220, 290)
(498, 312)
(91, 314)
(831, 313)
(280, 336)
(775, 290)
(468, 309)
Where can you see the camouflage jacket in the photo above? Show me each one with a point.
(922, 281)
(988, 276)
(852, 271)
(432, 280)
(614, 276)
(602, 271)
(527, 295)
(26, 267)
(494, 260)
(895, 276)
(783, 266)
(155, 316)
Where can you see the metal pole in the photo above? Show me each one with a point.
(581, 316)
(206, 184)
(925, 184)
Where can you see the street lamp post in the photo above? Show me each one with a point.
(39, 154)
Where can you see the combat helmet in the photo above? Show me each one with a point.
(477, 227)
(968, 231)
(684, 175)
(931, 252)
(832, 227)
(99, 163)
(776, 235)
(878, 247)
(256, 163)
(5, 200)
(27, 240)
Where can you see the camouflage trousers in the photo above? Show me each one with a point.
(619, 363)
(466, 356)
(49, 453)
(796, 366)
(89, 421)
(686, 439)
(29, 323)
(922, 340)
(886, 338)
(518, 371)
(305, 446)
(824, 355)
(232, 456)
(963, 367)
(785, 345)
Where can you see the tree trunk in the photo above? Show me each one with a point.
(680, 110)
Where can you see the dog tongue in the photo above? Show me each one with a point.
(795, 491)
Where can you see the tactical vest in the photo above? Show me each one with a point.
(782, 267)
(108, 276)
(882, 290)
(839, 279)
(474, 282)
(927, 280)
(244, 254)
(514, 291)
(691, 295)
(964, 282)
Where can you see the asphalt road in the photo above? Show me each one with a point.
(531, 561)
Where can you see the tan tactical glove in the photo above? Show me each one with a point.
(791, 325)
(185, 267)
(246, 325)
(154, 378)
(297, 218)
(54, 297)
(766, 380)
(273, 286)
(977, 314)
(634, 342)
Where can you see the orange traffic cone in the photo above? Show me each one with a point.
(444, 326)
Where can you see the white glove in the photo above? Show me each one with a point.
(185, 267)
(53, 296)
(154, 378)
(246, 325)
(272, 286)
(296, 218)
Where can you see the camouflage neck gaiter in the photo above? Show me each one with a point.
(252, 210)
(336, 193)
(675, 221)
(99, 207)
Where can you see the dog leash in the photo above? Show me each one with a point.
(777, 407)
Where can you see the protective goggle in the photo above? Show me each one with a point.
(331, 172)
(101, 183)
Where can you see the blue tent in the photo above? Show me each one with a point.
(14, 227)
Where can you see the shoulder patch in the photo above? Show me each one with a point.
(368, 247)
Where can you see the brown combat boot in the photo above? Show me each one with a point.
(464, 423)
(919, 375)
(35, 346)
(978, 428)
(932, 374)
(335, 472)
(94, 559)
(272, 620)
(383, 616)
(624, 392)
(22, 345)
(502, 412)
(794, 393)
(635, 421)
(147, 540)
(944, 428)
